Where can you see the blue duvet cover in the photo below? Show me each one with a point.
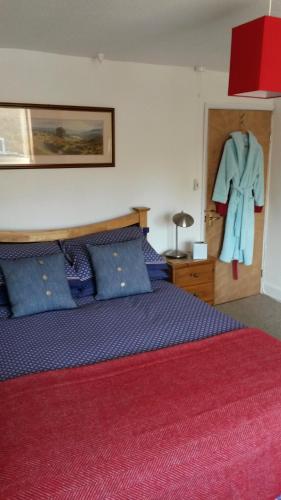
(99, 331)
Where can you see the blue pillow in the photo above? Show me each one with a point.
(76, 253)
(37, 284)
(158, 271)
(120, 269)
(15, 251)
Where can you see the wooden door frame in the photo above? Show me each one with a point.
(264, 105)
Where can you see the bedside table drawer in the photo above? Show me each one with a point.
(205, 291)
(194, 275)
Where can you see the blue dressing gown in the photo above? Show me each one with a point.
(241, 178)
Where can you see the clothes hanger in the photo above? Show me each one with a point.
(243, 129)
(242, 125)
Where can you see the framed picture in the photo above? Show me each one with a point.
(47, 136)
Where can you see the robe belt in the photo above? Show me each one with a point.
(241, 223)
(243, 190)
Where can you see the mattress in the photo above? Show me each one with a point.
(102, 330)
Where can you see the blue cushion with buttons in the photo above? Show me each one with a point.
(37, 284)
(120, 269)
(76, 252)
(15, 251)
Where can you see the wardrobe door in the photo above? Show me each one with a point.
(221, 122)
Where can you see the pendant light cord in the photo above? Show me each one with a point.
(270, 6)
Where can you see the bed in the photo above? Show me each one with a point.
(150, 396)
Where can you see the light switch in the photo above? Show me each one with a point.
(195, 184)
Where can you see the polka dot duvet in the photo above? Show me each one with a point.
(99, 331)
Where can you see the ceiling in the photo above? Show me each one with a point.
(173, 32)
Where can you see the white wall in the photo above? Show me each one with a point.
(272, 257)
(159, 142)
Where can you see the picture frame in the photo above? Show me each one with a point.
(53, 136)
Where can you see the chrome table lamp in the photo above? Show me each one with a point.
(181, 220)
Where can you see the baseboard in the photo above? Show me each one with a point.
(273, 291)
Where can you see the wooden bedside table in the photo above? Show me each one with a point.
(194, 276)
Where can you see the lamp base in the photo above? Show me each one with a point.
(175, 254)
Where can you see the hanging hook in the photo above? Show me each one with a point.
(269, 8)
(242, 122)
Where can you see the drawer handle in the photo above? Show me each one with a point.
(194, 275)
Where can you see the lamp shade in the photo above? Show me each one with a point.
(255, 64)
(183, 220)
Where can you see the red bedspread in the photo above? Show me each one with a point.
(195, 421)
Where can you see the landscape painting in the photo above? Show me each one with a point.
(67, 137)
(38, 136)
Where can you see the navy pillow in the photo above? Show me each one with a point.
(37, 284)
(76, 252)
(4, 299)
(4, 312)
(158, 271)
(120, 269)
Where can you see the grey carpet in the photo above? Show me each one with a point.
(259, 311)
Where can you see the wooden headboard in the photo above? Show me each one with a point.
(138, 216)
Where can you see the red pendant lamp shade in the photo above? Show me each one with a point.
(255, 65)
